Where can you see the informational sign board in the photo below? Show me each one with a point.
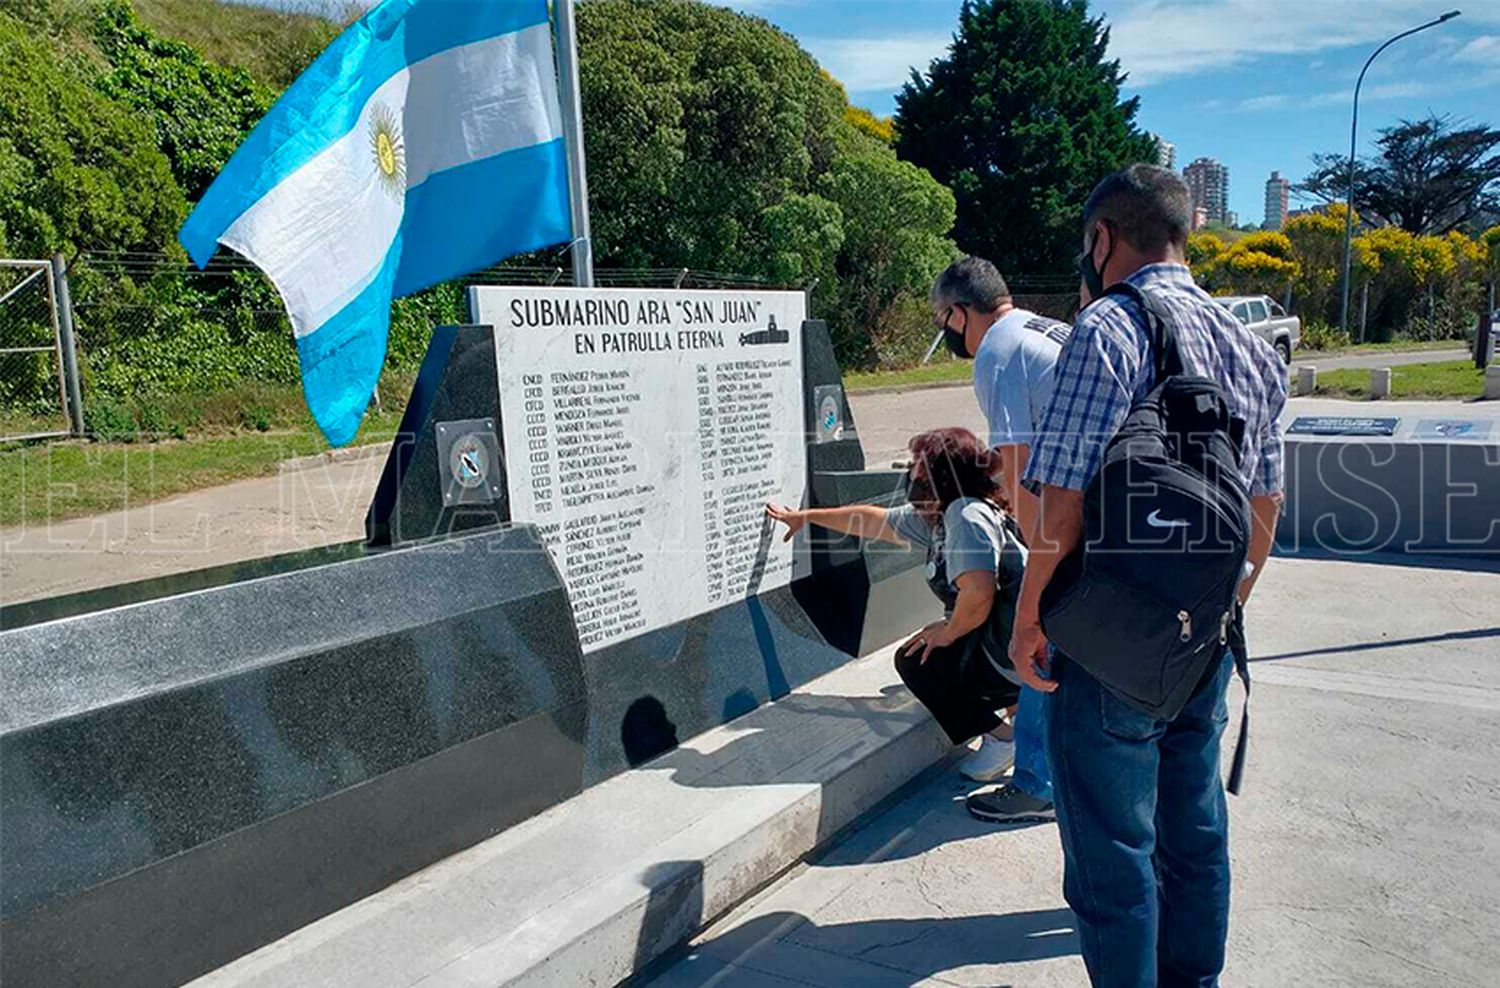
(1342, 425)
(644, 432)
(1448, 430)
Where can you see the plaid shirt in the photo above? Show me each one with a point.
(1106, 366)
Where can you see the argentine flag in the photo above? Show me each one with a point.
(425, 143)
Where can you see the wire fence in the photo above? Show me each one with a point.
(165, 298)
(148, 324)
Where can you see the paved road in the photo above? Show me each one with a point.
(265, 516)
(887, 421)
(324, 504)
(1365, 846)
(1323, 362)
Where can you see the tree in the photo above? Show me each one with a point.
(1491, 240)
(698, 121)
(76, 170)
(716, 143)
(1317, 238)
(1021, 118)
(895, 221)
(200, 111)
(883, 129)
(1202, 248)
(1429, 177)
(1257, 264)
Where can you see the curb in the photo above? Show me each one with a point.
(331, 456)
(893, 389)
(594, 889)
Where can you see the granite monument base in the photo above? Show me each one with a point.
(1407, 493)
(190, 776)
(195, 766)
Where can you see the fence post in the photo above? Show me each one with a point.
(681, 277)
(1484, 339)
(807, 292)
(67, 342)
(1364, 309)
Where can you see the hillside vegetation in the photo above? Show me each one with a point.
(273, 44)
(715, 143)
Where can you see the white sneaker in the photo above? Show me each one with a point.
(993, 759)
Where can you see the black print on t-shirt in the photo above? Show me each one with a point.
(1055, 331)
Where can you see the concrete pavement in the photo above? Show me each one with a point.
(1365, 847)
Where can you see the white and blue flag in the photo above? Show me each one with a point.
(425, 143)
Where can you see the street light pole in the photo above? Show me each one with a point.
(1349, 190)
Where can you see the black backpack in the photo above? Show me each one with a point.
(997, 628)
(1149, 600)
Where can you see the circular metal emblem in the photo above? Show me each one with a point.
(469, 461)
(828, 415)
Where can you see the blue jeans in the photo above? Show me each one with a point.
(1145, 832)
(1031, 775)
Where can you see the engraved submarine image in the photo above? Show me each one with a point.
(768, 335)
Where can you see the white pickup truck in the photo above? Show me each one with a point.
(1266, 319)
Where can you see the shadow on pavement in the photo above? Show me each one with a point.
(879, 952)
(1416, 560)
(1450, 636)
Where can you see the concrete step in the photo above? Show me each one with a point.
(594, 888)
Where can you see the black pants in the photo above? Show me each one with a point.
(959, 686)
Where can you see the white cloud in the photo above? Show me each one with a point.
(1484, 50)
(1343, 97)
(1270, 101)
(866, 64)
(1160, 39)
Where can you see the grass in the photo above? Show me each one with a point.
(274, 45)
(1445, 379)
(939, 373)
(72, 479)
(246, 433)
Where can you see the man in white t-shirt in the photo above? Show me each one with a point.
(1014, 352)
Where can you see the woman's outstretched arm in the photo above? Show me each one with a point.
(865, 521)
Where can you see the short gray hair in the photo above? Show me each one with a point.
(1150, 206)
(972, 281)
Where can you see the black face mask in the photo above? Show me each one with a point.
(1093, 278)
(955, 341)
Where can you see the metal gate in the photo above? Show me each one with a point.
(33, 372)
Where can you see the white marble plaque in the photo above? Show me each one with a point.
(644, 431)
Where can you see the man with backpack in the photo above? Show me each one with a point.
(1159, 470)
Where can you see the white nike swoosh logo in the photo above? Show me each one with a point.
(1155, 520)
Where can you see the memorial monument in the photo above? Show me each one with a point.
(1357, 485)
(567, 573)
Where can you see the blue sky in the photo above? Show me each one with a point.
(1258, 84)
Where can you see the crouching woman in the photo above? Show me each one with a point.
(957, 667)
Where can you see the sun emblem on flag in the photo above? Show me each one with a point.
(389, 150)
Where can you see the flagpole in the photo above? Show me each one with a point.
(572, 121)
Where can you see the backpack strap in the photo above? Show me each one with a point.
(1160, 326)
(1241, 666)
